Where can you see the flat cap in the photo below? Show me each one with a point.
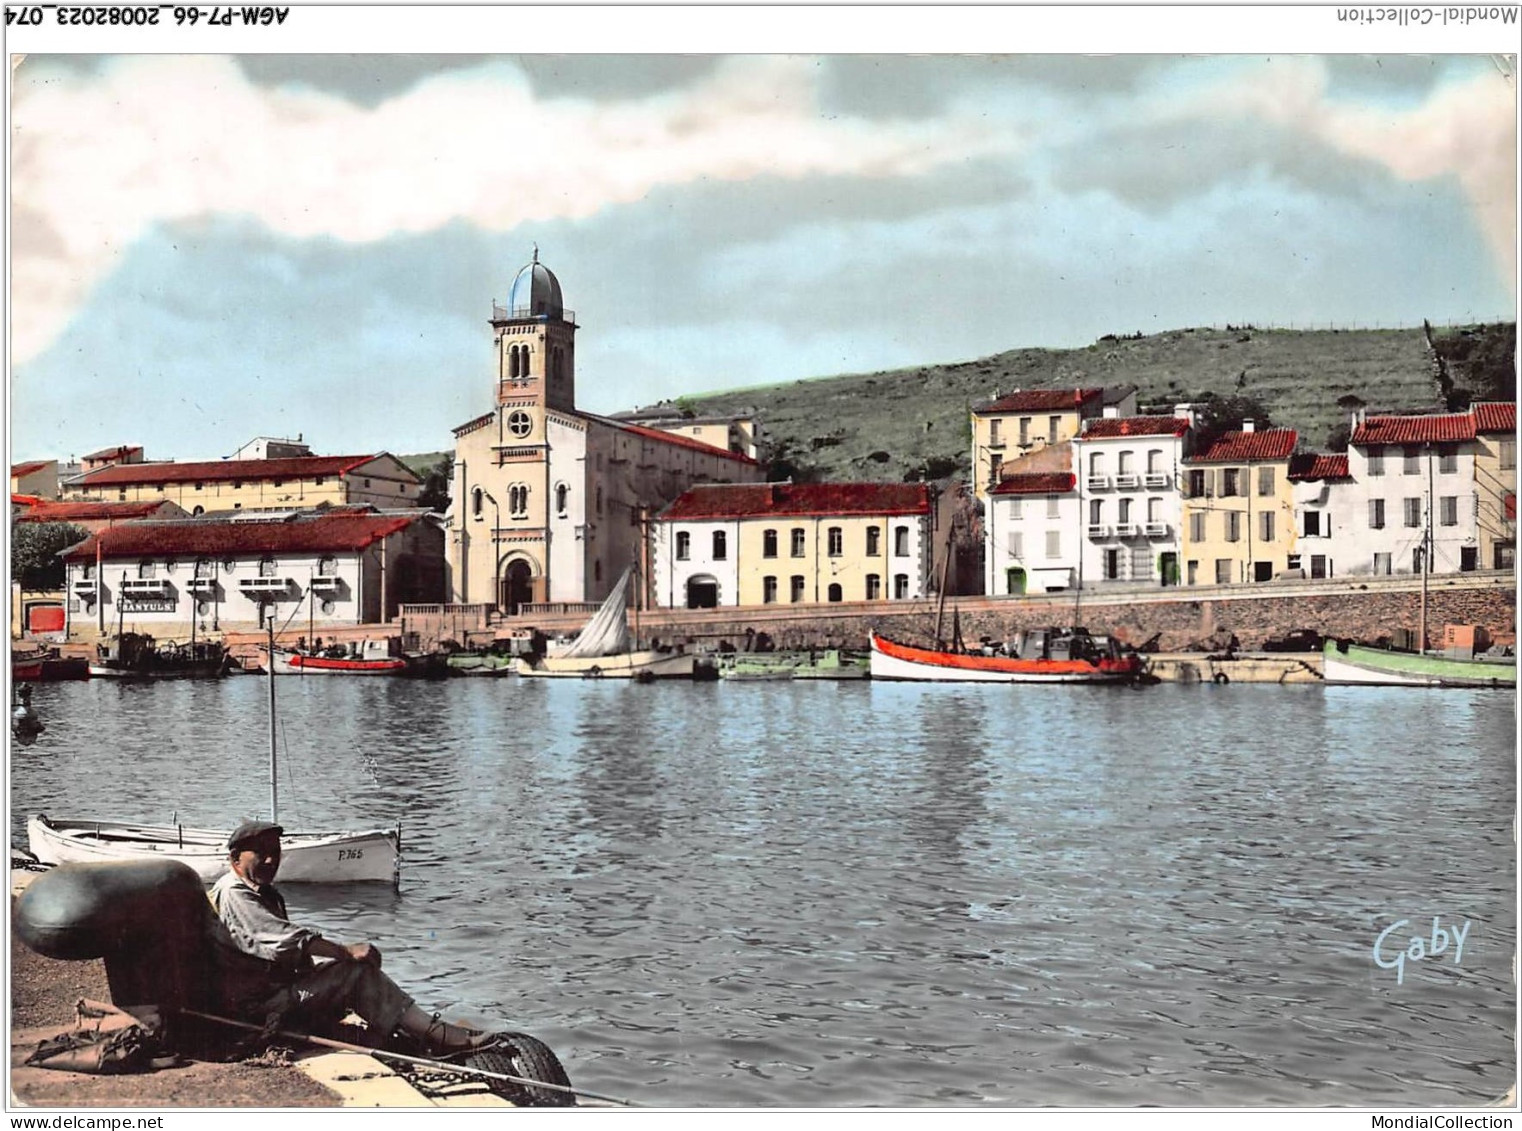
(250, 831)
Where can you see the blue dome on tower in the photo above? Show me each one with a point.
(536, 293)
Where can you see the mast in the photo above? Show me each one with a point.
(1421, 622)
(940, 609)
(270, 666)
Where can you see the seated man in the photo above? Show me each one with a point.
(267, 965)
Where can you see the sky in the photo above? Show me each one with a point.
(209, 248)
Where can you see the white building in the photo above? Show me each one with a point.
(348, 566)
(1128, 486)
(1327, 513)
(1033, 533)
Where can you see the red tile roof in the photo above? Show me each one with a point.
(1113, 427)
(1241, 447)
(1040, 400)
(200, 537)
(1448, 428)
(225, 470)
(92, 511)
(752, 500)
(1491, 416)
(1036, 483)
(1318, 465)
(680, 441)
(25, 500)
(20, 469)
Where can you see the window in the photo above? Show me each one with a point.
(1231, 482)
(835, 593)
(835, 541)
(874, 540)
(475, 503)
(995, 436)
(1266, 526)
(1508, 455)
(1412, 510)
(1154, 510)
(201, 486)
(1319, 566)
(1155, 462)
(145, 569)
(1141, 563)
(1025, 431)
(900, 586)
(683, 545)
(1376, 460)
(1411, 460)
(1109, 564)
(1223, 571)
(1096, 463)
(1197, 526)
(206, 568)
(1053, 545)
(1016, 545)
(1051, 428)
(317, 482)
(995, 466)
(1265, 482)
(1125, 511)
(1053, 506)
(1313, 524)
(1123, 464)
(1382, 564)
(1096, 512)
(1416, 560)
(900, 541)
(720, 545)
(1447, 458)
(1016, 509)
(599, 500)
(1448, 510)
(800, 540)
(769, 590)
(1233, 526)
(266, 567)
(1376, 514)
(797, 587)
(874, 587)
(517, 500)
(768, 543)
(562, 499)
(1200, 484)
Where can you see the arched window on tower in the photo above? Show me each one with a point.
(512, 362)
(475, 503)
(517, 500)
(562, 499)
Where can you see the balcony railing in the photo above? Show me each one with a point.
(527, 313)
(1157, 480)
(1127, 530)
(264, 584)
(1127, 482)
(201, 584)
(1099, 483)
(143, 585)
(1157, 530)
(1098, 530)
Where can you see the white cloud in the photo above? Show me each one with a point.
(98, 159)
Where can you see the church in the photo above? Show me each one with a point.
(549, 503)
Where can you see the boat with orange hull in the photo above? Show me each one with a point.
(290, 662)
(1052, 655)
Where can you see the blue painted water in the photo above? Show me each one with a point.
(886, 894)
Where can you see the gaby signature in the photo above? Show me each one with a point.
(1388, 956)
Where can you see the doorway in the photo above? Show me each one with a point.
(1014, 581)
(702, 592)
(515, 588)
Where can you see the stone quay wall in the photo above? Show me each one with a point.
(1182, 620)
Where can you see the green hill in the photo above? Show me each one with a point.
(902, 423)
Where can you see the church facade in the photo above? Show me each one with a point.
(550, 503)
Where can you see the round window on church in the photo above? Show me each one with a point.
(520, 423)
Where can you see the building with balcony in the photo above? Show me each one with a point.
(321, 569)
(1239, 507)
(1128, 471)
(1014, 425)
(378, 479)
(550, 503)
(794, 543)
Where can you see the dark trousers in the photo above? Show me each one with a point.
(326, 994)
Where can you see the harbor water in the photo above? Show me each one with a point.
(872, 894)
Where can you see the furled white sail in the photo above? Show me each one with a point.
(607, 633)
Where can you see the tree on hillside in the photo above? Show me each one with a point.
(1216, 414)
(34, 552)
(435, 492)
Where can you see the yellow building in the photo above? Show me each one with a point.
(1495, 480)
(1014, 425)
(1239, 508)
(379, 480)
(37, 479)
(549, 503)
(794, 543)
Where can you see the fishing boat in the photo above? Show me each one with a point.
(46, 666)
(136, 655)
(1052, 655)
(831, 663)
(307, 857)
(1344, 662)
(603, 649)
(366, 657)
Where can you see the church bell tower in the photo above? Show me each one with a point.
(535, 337)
